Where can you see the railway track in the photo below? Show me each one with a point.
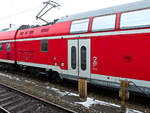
(15, 101)
(137, 102)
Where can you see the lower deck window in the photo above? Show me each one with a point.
(8, 46)
(44, 45)
(1, 46)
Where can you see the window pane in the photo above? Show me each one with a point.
(1, 46)
(79, 26)
(8, 46)
(135, 19)
(73, 57)
(83, 58)
(104, 23)
(44, 45)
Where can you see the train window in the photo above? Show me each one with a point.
(8, 46)
(45, 30)
(79, 26)
(21, 33)
(83, 58)
(31, 32)
(44, 45)
(104, 23)
(73, 57)
(1, 46)
(135, 19)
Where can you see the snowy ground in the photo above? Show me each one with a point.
(88, 103)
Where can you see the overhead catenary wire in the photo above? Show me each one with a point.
(20, 13)
(52, 5)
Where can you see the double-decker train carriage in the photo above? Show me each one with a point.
(105, 46)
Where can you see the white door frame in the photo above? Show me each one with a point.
(80, 69)
(71, 71)
(85, 68)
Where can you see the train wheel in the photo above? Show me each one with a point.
(56, 77)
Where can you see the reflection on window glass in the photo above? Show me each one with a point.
(73, 57)
(104, 23)
(8, 46)
(83, 58)
(79, 26)
(44, 45)
(1, 46)
(135, 19)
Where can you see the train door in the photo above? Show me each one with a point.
(84, 58)
(73, 57)
(79, 57)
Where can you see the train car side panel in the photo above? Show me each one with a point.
(124, 56)
(30, 51)
(7, 52)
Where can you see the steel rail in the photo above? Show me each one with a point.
(3, 110)
(36, 98)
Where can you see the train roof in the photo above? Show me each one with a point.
(14, 28)
(115, 9)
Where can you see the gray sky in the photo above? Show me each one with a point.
(20, 12)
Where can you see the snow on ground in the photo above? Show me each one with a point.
(10, 77)
(15, 78)
(28, 81)
(60, 92)
(132, 111)
(90, 101)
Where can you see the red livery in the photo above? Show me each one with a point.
(105, 46)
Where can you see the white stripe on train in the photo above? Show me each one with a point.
(142, 83)
(86, 35)
(7, 61)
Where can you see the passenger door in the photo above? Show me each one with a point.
(79, 57)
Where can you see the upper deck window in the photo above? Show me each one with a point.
(135, 19)
(79, 26)
(104, 23)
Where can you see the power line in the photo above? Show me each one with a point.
(19, 13)
(52, 5)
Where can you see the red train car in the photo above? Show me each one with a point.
(7, 52)
(104, 46)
